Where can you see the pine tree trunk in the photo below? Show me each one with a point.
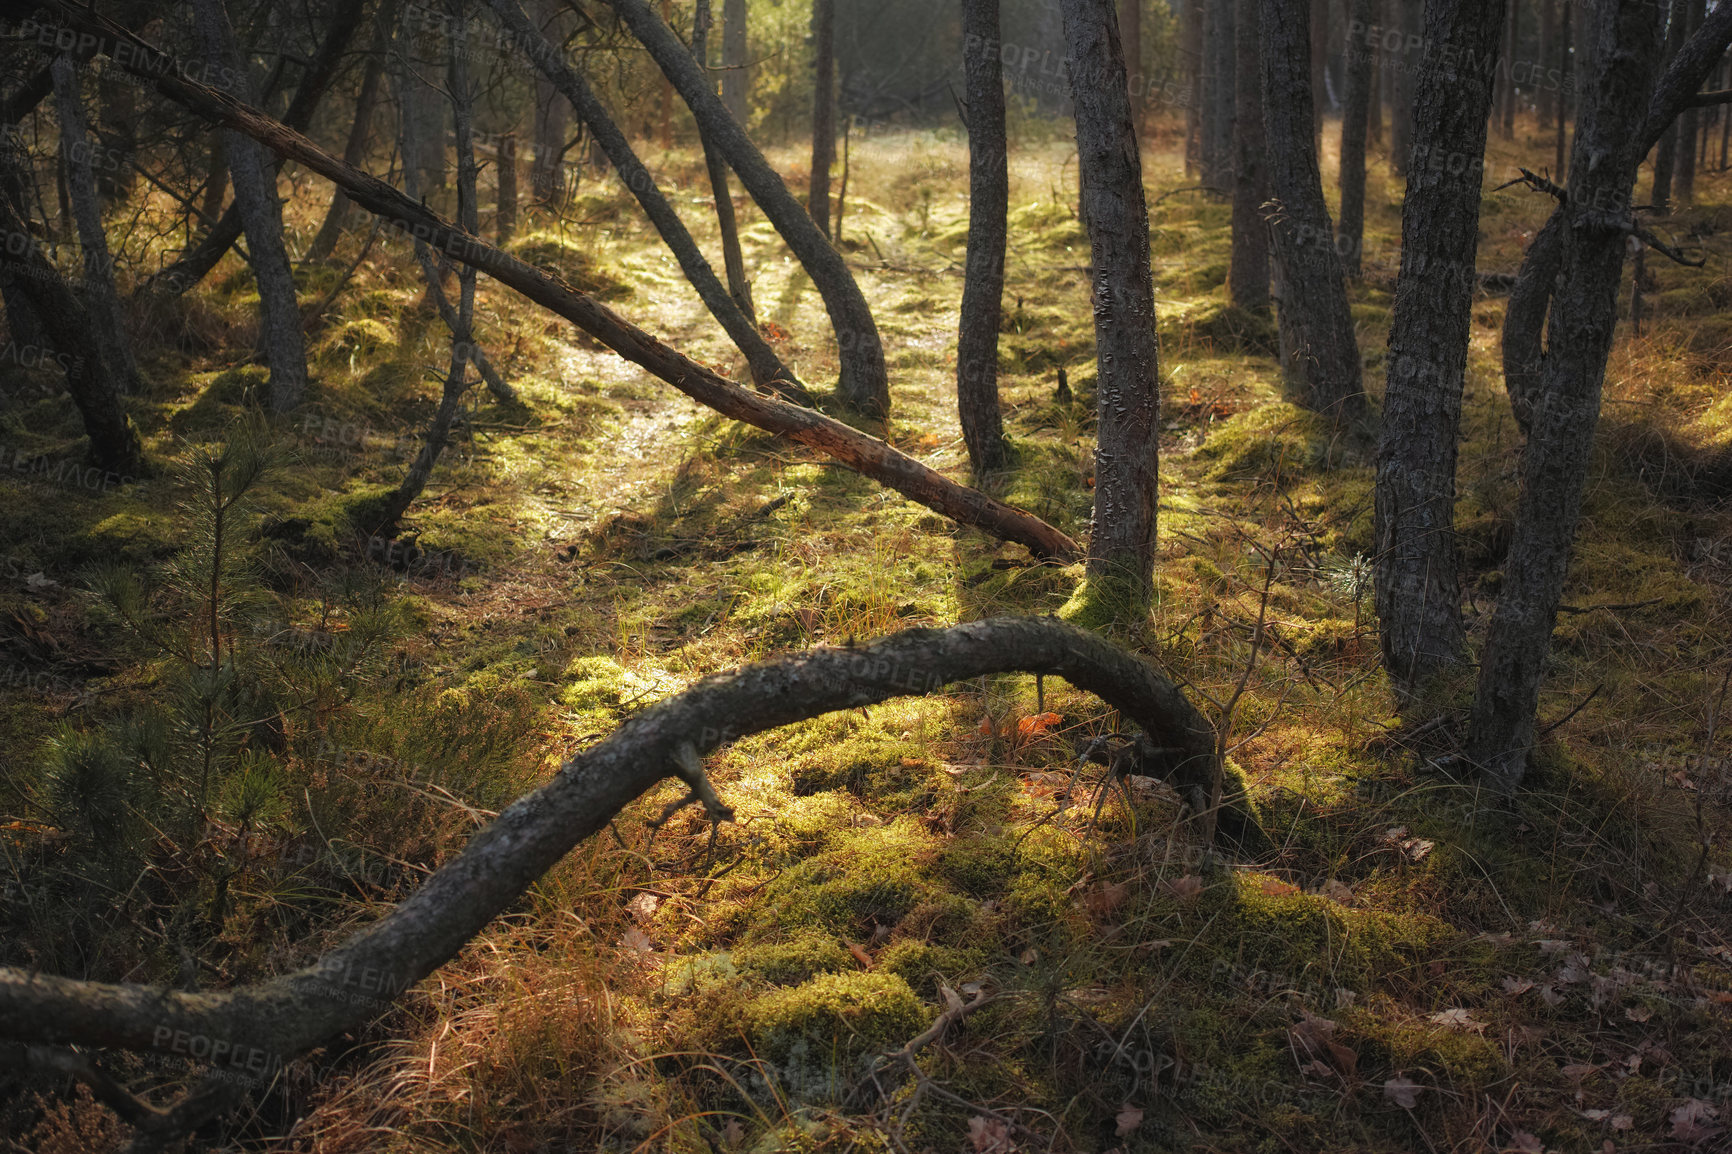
(1192, 62)
(864, 383)
(1319, 14)
(1666, 155)
(1418, 591)
(1355, 112)
(117, 131)
(1555, 461)
(767, 369)
(261, 214)
(1323, 370)
(1122, 546)
(102, 303)
(988, 204)
(1403, 17)
(1506, 88)
(1374, 115)
(1689, 128)
(733, 261)
(1248, 274)
(1131, 36)
(735, 87)
(1570, 76)
(360, 133)
(823, 112)
(1544, 91)
(1219, 96)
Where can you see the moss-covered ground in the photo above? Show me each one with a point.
(1408, 968)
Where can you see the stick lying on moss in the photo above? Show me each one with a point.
(857, 450)
(257, 1028)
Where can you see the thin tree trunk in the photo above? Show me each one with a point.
(1544, 90)
(1418, 593)
(823, 111)
(1510, 54)
(1219, 94)
(1689, 128)
(733, 261)
(1666, 156)
(1122, 544)
(117, 131)
(1570, 79)
(988, 204)
(1374, 114)
(254, 178)
(216, 183)
(1319, 14)
(1193, 62)
(1556, 458)
(505, 212)
(195, 264)
(1323, 369)
(864, 383)
(1355, 111)
(551, 123)
(767, 369)
(1248, 273)
(107, 323)
(735, 83)
(1403, 16)
(114, 443)
(360, 132)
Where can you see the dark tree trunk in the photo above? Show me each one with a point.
(1219, 96)
(254, 177)
(864, 383)
(823, 111)
(360, 132)
(1666, 156)
(1417, 587)
(505, 208)
(1122, 546)
(1248, 274)
(1131, 36)
(1319, 12)
(1570, 78)
(1689, 129)
(735, 83)
(1545, 85)
(1506, 108)
(1403, 16)
(102, 303)
(118, 132)
(1355, 111)
(767, 369)
(196, 262)
(1555, 461)
(1193, 62)
(988, 204)
(216, 184)
(733, 261)
(1322, 362)
(114, 443)
(552, 121)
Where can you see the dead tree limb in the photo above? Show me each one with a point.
(253, 1030)
(865, 454)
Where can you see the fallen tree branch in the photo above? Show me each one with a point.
(247, 1034)
(859, 451)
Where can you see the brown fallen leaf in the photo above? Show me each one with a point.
(1186, 889)
(860, 955)
(1105, 899)
(989, 1136)
(1314, 1038)
(1456, 1018)
(1694, 1121)
(1336, 891)
(1516, 987)
(733, 1133)
(1403, 1092)
(1029, 956)
(1638, 1013)
(1522, 1142)
(1037, 725)
(1128, 1119)
(636, 939)
(1275, 887)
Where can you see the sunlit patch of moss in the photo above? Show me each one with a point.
(1279, 442)
(796, 960)
(226, 397)
(834, 1019)
(576, 265)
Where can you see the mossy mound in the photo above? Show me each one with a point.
(833, 1020)
(1279, 442)
(579, 268)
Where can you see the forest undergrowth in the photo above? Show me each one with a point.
(1403, 968)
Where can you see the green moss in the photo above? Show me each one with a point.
(835, 1018)
(581, 269)
(797, 960)
(1280, 442)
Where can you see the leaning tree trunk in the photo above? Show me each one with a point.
(91, 380)
(1355, 114)
(1555, 462)
(988, 204)
(1418, 593)
(864, 383)
(1122, 544)
(733, 261)
(767, 369)
(823, 111)
(263, 1026)
(254, 178)
(107, 323)
(1322, 369)
(1248, 273)
(360, 131)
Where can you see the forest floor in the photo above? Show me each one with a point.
(1411, 969)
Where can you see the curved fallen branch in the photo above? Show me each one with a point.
(859, 451)
(255, 1029)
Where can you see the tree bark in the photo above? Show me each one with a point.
(1322, 369)
(360, 131)
(864, 383)
(767, 369)
(1666, 156)
(1554, 468)
(550, 124)
(1355, 112)
(733, 262)
(1131, 36)
(265, 1025)
(823, 112)
(988, 206)
(1689, 128)
(735, 82)
(1319, 16)
(1219, 94)
(102, 303)
(1193, 62)
(195, 264)
(254, 179)
(114, 443)
(505, 208)
(1122, 544)
(1418, 593)
(1402, 15)
(1248, 272)
(1506, 107)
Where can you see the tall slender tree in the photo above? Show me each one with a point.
(736, 83)
(1131, 36)
(1355, 116)
(1318, 341)
(733, 260)
(360, 130)
(823, 111)
(988, 205)
(1417, 590)
(1248, 272)
(1122, 545)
